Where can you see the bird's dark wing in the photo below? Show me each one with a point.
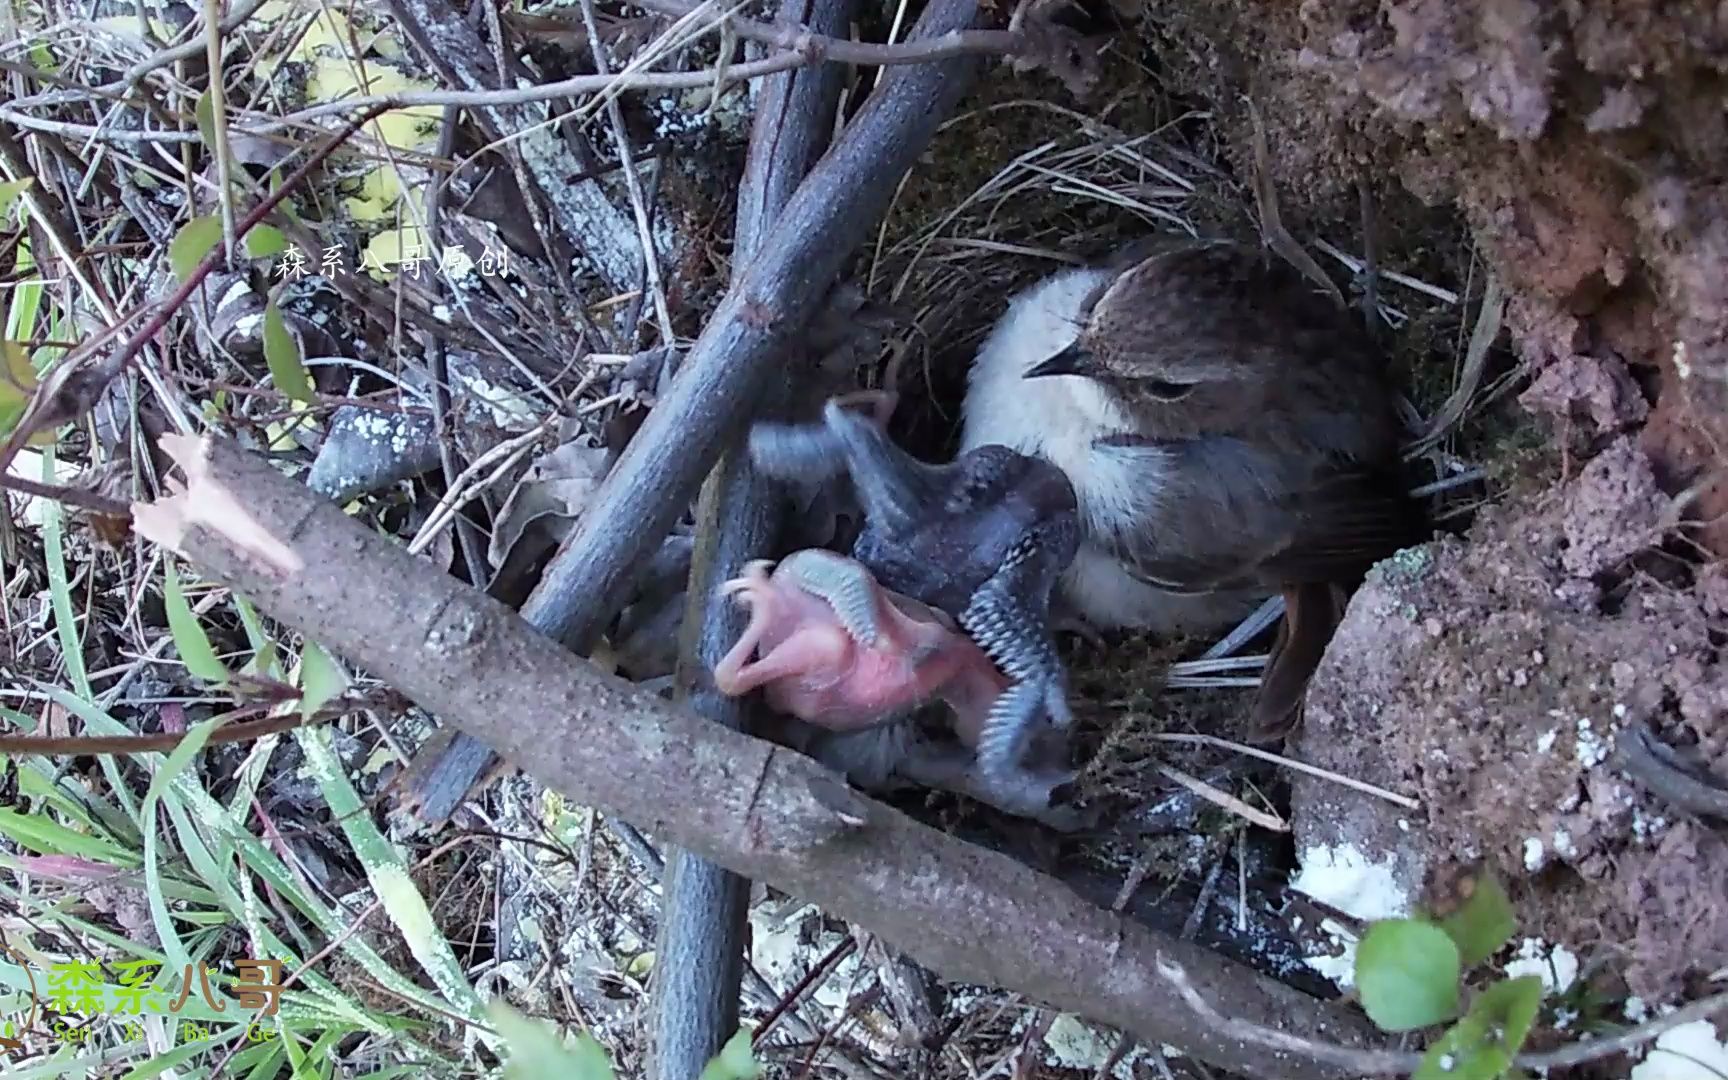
(1221, 513)
(1345, 523)
(1186, 515)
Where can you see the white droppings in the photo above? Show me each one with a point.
(1682, 365)
(238, 289)
(1591, 749)
(1535, 855)
(1345, 878)
(1688, 1052)
(1556, 966)
(1545, 743)
(1563, 845)
(1341, 968)
(1072, 1043)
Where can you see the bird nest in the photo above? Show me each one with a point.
(1018, 187)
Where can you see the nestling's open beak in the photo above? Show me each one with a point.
(1074, 360)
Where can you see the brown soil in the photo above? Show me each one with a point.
(1490, 679)
(1585, 146)
(1584, 143)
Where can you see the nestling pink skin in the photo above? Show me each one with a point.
(835, 649)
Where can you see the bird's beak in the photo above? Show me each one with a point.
(1074, 360)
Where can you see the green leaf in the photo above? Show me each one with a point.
(282, 354)
(189, 636)
(734, 1061)
(1483, 1045)
(192, 243)
(44, 835)
(1510, 1008)
(207, 119)
(321, 679)
(10, 190)
(264, 241)
(537, 1051)
(1463, 1053)
(17, 383)
(1483, 924)
(1407, 974)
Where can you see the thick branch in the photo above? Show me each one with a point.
(729, 367)
(703, 906)
(757, 809)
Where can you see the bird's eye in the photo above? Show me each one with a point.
(1168, 391)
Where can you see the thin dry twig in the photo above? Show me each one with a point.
(632, 185)
(1224, 799)
(1271, 223)
(1291, 763)
(1482, 338)
(1401, 1062)
(808, 48)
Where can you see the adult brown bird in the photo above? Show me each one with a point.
(1229, 432)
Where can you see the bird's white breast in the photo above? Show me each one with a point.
(1059, 418)
(1056, 418)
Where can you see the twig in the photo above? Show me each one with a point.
(632, 183)
(219, 125)
(79, 497)
(1402, 1062)
(1224, 799)
(739, 517)
(1580, 1053)
(1358, 1061)
(801, 39)
(467, 533)
(817, 972)
(158, 742)
(50, 215)
(469, 482)
(1271, 222)
(1291, 763)
(1358, 266)
(184, 51)
(813, 50)
(1482, 338)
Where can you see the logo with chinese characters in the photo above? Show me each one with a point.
(81, 988)
(414, 258)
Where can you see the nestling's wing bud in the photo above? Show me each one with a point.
(801, 452)
(893, 486)
(844, 584)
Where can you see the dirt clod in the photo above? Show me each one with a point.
(1490, 678)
